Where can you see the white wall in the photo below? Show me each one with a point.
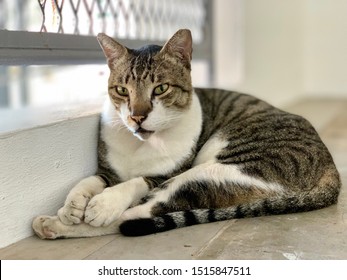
(273, 49)
(282, 50)
(228, 35)
(325, 48)
(37, 169)
(260, 42)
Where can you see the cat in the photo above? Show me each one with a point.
(171, 155)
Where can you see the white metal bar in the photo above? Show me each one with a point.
(34, 48)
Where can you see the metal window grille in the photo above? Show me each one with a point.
(132, 19)
(56, 27)
(146, 19)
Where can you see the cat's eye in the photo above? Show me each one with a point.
(122, 91)
(161, 89)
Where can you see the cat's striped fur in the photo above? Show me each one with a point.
(172, 156)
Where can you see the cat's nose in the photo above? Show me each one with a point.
(138, 119)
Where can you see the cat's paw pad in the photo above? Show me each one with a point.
(46, 227)
(73, 210)
(103, 209)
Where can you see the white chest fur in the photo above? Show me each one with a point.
(160, 154)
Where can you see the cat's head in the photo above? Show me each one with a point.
(150, 87)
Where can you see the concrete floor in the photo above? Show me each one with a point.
(315, 235)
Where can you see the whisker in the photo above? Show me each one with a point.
(164, 122)
(117, 124)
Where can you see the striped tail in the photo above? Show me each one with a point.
(263, 207)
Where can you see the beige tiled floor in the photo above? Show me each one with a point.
(319, 234)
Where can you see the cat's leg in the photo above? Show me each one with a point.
(211, 185)
(51, 227)
(77, 200)
(107, 207)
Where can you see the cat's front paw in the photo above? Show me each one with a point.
(76, 202)
(105, 208)
(73, 210)
(47, 227)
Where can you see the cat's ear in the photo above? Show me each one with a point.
(111, 48)
(180, 45)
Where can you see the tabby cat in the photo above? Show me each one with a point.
(171, 155)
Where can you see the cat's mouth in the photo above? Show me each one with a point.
(143, 134)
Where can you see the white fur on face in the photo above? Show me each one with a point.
(162, 152)
(159, 119)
